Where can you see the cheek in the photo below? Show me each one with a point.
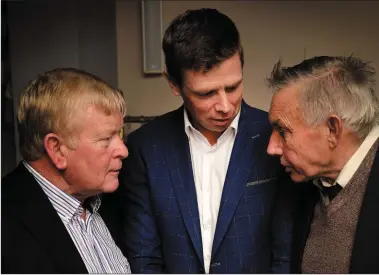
(89, 166)
(98, 171)
(98, 163)
(291, 152)
(202, 110)
(103, 162)
(305, 159)
(236, 97)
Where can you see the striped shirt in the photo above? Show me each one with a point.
(91, 237)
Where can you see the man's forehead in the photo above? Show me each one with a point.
(200, 80)
(285, 103)
(287, 97)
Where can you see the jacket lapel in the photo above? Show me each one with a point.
(307, 196)
(365, 253)
(39, 216)
(242, 163)
(179, 162)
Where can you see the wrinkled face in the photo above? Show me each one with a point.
(304, 151)
(213, 98)
(93, 165)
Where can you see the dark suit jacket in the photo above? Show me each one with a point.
(162, 227)
(33, 237)
(365, 254)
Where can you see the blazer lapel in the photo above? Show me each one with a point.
(39, 216)
(179, 162)
(365, 253)
(307, 197)
(242, 163)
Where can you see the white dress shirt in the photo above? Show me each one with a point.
(210, 164)
(91, 237)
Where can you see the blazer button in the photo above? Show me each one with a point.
(202, 270)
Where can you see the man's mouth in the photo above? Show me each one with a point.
(289, 169)
(222, 119)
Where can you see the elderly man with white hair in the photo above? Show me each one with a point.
(324, 114)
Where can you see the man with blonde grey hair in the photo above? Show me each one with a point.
(324, 114)
(69, 123)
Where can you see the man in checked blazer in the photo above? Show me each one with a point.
(199, 194)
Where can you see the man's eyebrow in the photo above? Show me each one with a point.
(203, 91)
(110, 130)
(276, 124)
(234, 84)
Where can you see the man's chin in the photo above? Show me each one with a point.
(297, 177)
(111, 186)
(219, 128)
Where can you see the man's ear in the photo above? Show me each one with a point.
(56, 150)
(173, 85)
(335, 126)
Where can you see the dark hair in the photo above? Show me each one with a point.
(199, 40)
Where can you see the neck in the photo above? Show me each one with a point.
(211, 136)
(346, 148)
(84, 215)
(48, 170)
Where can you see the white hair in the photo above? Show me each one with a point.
(343, 86)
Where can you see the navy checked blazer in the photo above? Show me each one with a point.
(157, 196)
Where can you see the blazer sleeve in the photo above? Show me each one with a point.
(282, 223)
(141, 242)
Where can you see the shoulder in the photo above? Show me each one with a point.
(254, 115)
(255, 121)
(159, 128)
(10, 184)
(17, 187)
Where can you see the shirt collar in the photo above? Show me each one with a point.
(356, 159)
(66, 206)
(188, 125)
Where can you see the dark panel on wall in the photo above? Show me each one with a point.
(97, 38)
(45, 34)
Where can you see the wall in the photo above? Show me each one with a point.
(269, 30)
(45, 34)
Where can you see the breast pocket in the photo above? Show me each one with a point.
(260, 182)
(257, 197)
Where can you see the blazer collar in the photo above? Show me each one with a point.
(243, 161)
(39, 216)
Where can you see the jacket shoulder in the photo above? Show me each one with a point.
(256, 114)
(159, 127)
(10, 185)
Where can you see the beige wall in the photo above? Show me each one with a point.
(269, 30)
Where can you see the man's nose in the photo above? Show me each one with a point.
(122, 150)
(223, 104)
(274, 147)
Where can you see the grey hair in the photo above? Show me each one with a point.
(343, 86)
